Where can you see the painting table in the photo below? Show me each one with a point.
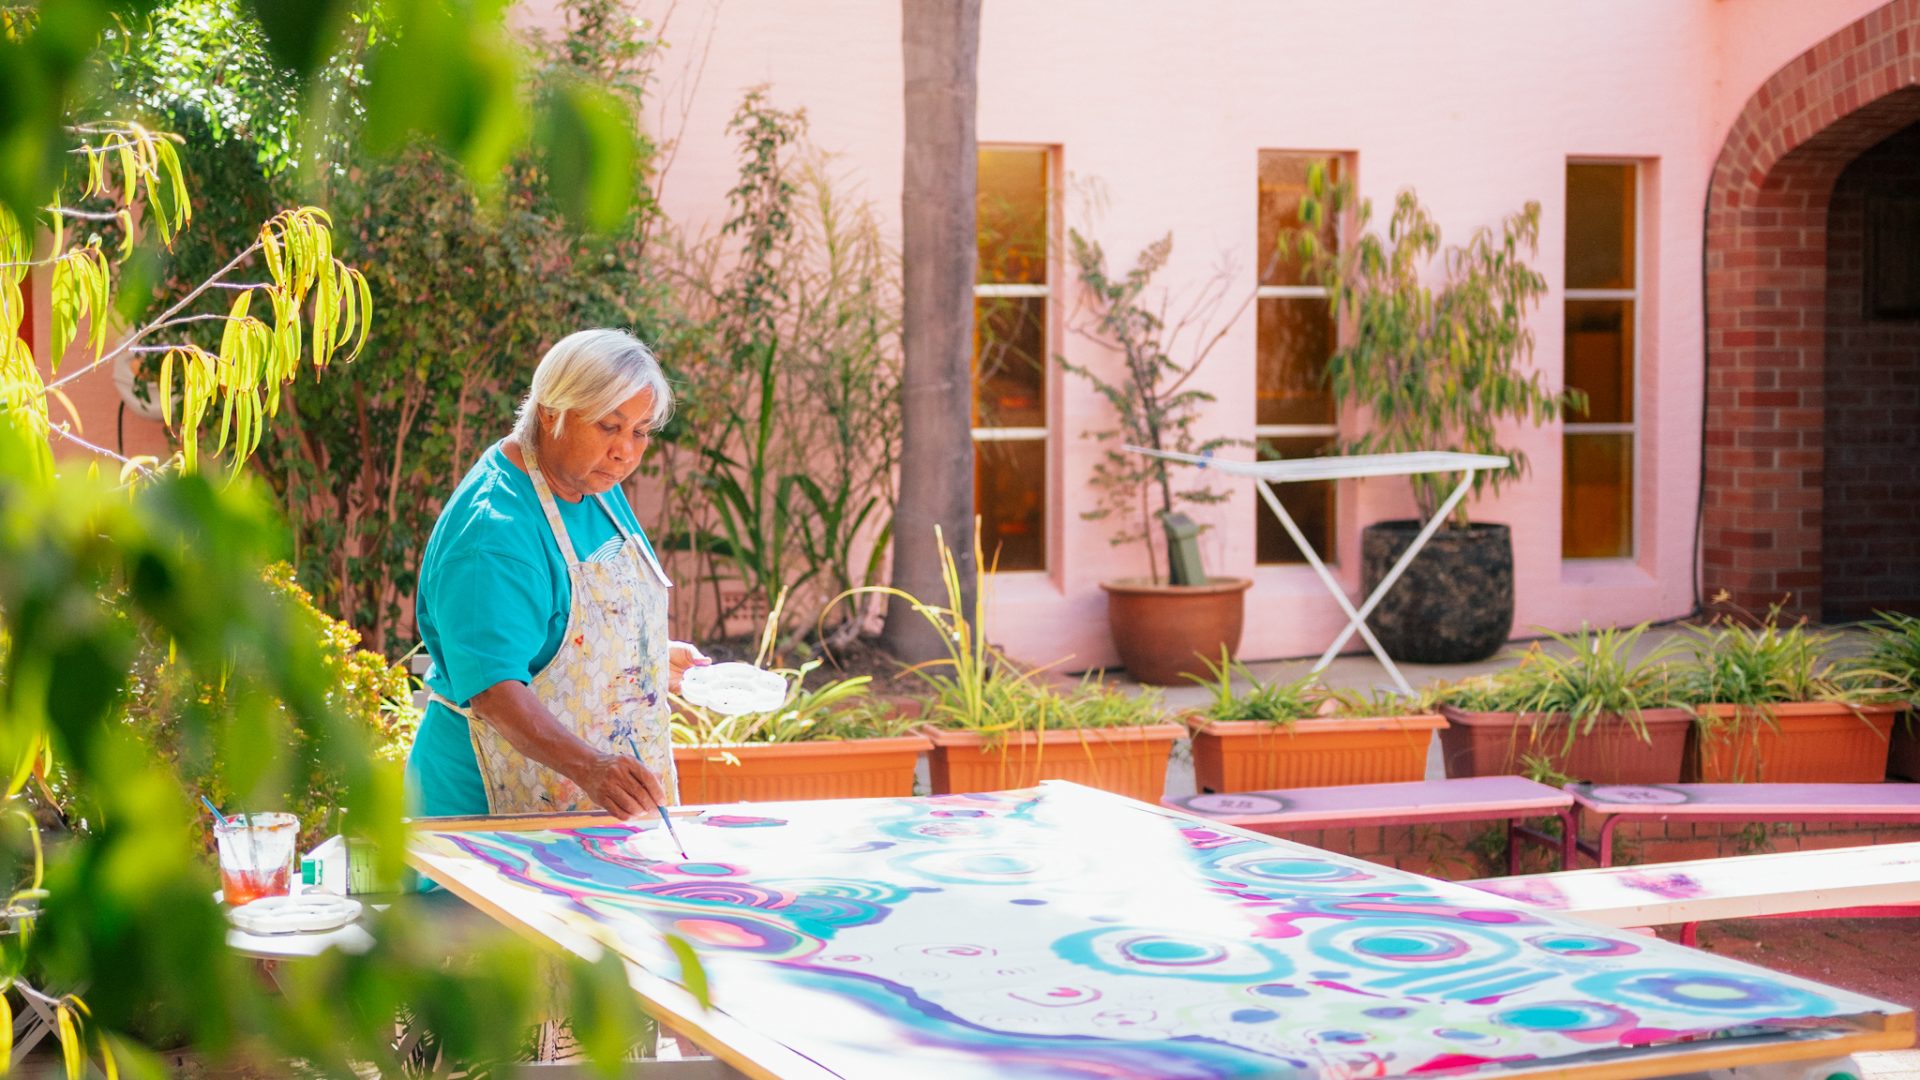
(1512, 799)
(1805, 803)
(1066, 932)
(1350, 467)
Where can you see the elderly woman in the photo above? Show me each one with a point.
(544, 607)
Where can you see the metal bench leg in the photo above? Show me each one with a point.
(1690, 934)
(1606, 839)
(1513, 846)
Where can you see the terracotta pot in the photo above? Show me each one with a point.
(1495, 744)
(1903, 752)
(1454, 604)
(1809, 742)
(1256, 755)
(778, 772)
(1128, 761)
(1165, 632)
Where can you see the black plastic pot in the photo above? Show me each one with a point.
(1454, 605)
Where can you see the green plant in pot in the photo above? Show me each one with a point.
(1773, 706)
(1432, 365)
(1895, 657)
(825, 741)
(1166, 622)
(1263, 734)
(1589, 705)
(996, 724)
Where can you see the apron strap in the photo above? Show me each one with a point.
(547, 505)
(643, 549)
(458, 710)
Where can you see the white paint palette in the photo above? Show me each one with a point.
(309, 914)
(733, 689)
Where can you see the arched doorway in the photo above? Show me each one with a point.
(1778, 213)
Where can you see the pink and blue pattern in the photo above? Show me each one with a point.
(1064, 932)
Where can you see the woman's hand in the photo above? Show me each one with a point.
(621, 786)
(615, 782)
(680, 657)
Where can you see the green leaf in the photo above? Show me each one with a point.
(586, 135)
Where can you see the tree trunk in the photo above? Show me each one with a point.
(941, 44)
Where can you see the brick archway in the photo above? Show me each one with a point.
(1766, 279)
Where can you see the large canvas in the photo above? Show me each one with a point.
(1064, 932)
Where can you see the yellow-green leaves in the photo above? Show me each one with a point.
(82, 291)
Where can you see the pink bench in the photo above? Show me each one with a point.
(1477, 798)
(1740, 803)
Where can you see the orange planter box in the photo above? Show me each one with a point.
(1127, 761)
(1498, 744)
(1256, 755)
(779, 772)
(1809, 742)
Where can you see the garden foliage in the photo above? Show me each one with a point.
(1435, 368)
(1152, 404)
(778, 473)
(145, 661)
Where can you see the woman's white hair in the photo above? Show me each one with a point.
(592, 372)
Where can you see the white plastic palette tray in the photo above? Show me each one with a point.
(733, 689)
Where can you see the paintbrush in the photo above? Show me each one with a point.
(664, 818)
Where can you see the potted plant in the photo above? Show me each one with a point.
(1433, 368)
(1257, 736)
(830, 741)
(1167, 622)
(1018, 730)
(1895, 653)
(1588, 710)
(1773, 709)
(995, 725)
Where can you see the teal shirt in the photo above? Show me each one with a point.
(492, 607)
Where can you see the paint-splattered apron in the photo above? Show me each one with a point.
(606, 684)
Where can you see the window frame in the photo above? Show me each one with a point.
(1636, 297)
(1046, 292)
(1329, 431)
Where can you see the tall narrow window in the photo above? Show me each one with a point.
(1293, 411)
(1596, 516)
(1010, 351)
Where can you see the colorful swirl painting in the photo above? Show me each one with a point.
(1064, 932)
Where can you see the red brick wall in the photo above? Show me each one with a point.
(1766, 267)
(1870, 532)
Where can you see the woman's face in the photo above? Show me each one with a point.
(592, 456)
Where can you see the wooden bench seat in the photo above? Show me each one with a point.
(1478, 798)
(1883, 879)
(1804, 803)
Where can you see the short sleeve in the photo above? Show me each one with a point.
(492, 613)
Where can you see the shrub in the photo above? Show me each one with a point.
(363, 688)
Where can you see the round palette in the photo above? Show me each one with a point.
(733, 689)
(308, 914)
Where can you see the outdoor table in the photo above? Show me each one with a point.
(1351, 467)
(1064, 930)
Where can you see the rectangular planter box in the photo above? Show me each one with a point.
(1127, 761)
(1494, 744)
(1256, 755)
(1809, 742)
(779, 772)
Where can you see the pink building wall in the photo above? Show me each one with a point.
(1478, 105)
